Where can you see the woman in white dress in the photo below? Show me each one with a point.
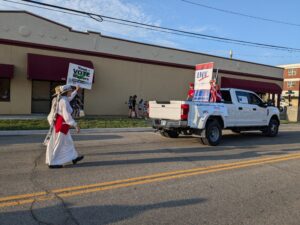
(60, 147)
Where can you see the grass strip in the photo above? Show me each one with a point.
(42, 124)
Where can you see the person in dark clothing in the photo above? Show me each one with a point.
(77, 105)
(129, 103)
(134, 114)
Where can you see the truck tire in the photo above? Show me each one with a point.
(163, 133)
(272, 129)
(169, 133)
(213, 133)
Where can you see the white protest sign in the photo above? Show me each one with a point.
(80, 75)
(203, 76)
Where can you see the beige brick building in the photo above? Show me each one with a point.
(35, 53)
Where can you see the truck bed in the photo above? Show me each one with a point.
(168, 110)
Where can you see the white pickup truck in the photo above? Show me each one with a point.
(240, 110)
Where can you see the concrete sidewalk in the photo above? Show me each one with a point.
(83, 131)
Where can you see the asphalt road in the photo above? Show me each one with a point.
(143, 178)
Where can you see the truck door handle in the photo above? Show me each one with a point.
(240, 108)
(254, 109)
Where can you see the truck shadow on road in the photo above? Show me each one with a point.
(229, 142)
(250, 139)
(97, 215)
(247, 145)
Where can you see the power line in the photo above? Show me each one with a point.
(101, 18)
(41, 7)
(241, 14)
(97, 18)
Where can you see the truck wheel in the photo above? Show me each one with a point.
(213, 134)
(272, 129)
(163, 133)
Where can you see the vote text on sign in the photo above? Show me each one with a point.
(80, 75)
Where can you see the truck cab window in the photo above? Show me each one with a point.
(254, 100)
(226, 97)
(243, 97)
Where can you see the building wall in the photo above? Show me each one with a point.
(115, 81)
(292, 72)
(20, 87)
(291, 76)
(27, 27)
(122, 68)
(293, 85)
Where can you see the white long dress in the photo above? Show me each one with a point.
(51, 114)
(60, 148)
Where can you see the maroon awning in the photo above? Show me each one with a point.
(50, 68)
(6, 71)
(255, 86)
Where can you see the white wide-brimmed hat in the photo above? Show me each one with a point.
(56, 91)
(65, 88)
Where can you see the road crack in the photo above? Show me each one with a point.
(38, 187)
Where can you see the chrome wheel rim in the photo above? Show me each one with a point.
(273, 128)
(214, 134)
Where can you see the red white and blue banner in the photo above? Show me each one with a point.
(203, 76)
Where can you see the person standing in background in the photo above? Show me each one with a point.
(140, 108)
(133, 113)
(129, 103)
(77, 105)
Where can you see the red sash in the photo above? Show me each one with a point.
(213, 94)
(60, 125)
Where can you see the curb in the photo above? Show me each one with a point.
(82, 131)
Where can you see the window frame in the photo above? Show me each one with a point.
(292, 72)
(291, 83)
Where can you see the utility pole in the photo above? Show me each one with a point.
(230, 54)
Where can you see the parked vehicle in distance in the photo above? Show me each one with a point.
(240, 110)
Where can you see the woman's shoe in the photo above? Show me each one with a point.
(55, 166)
(77, 159)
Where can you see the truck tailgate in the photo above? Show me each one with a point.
(170, 110)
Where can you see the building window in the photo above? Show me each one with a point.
(292, 72)
(4, 89)
(291, 84)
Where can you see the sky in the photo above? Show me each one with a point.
(179, 14)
